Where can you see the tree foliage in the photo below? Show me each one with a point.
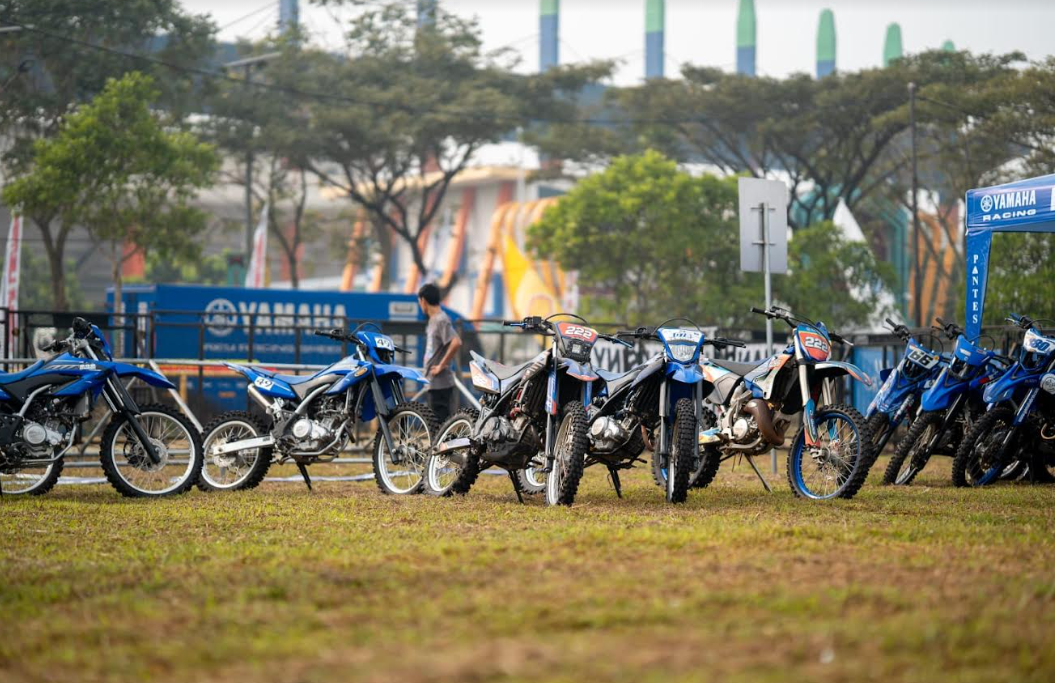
(648, 239)
(114, 169)
(59, 71)
(411, 107)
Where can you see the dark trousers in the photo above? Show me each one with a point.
(440, 402)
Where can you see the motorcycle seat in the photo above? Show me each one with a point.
(292, 380)
(502, 372)
(12, 377)
(741, 369)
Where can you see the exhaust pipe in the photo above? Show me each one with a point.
(255, 394)
(763, 414)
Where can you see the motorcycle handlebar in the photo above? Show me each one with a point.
(759, 311)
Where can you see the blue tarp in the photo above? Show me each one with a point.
(1023, 206)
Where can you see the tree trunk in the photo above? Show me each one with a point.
(117, 260)
(54, 248)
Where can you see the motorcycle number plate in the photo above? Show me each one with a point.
(577, 332)
(922, 358)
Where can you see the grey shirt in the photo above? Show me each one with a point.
(438, 336)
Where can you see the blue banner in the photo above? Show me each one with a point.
(1023, 206)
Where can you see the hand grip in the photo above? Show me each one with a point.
(759, 311)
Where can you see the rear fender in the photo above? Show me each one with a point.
(268, 386)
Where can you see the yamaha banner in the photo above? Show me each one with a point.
(1024, 206)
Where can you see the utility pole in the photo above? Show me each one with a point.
(917, 277)
(250, 226)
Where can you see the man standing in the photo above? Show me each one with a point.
(441, 347)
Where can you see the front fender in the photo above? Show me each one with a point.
(579, 370)
(689, 374)
(834, 368)
(154, 379)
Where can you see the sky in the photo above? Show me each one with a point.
(702, 32)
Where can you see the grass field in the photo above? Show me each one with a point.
(926, 583)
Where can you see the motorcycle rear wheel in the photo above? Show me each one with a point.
(31, 481)
(443, 476)
(238, 471)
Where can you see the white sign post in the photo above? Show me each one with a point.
(764, 239)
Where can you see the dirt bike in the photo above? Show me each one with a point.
(661, 399)
(757, 403)
(1020, 418)
(948, 408)
(312, 418)
(898, 397)
(531, 416)
(146, 451)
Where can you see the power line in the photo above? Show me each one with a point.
(344, 99)
(251, 14)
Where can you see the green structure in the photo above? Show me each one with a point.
(655, 29)
(892, 49)
(746, 35)
(948, 46)
(826, 44)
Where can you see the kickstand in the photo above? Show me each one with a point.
(751, 462)
(516, 486)
(613, 476)
(304, 473)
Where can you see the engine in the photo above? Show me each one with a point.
(609, 433)
(319, 432)
(41, 436)
(750, 424)
(509, 438)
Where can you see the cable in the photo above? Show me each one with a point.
(251, 14)
(344, 99)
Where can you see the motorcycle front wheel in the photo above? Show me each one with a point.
(412, 426)
(913, 452)
(128, 466)
(569, 452)
(984, 452)
(831, 467)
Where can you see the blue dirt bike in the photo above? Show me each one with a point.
(662, 397)
(1020, 420)
(146, 451)
(948, 409)
(312, 418)
(758, 402)
(903, 385)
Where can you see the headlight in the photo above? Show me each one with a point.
(683, 353)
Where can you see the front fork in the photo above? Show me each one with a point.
(121, 403)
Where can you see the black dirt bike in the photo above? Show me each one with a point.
(531, 416)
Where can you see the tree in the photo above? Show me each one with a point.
(647, 238)
(261, 127)
(67, 72)
(409, 109)
(115, 169)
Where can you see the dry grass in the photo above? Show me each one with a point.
(919, 584)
